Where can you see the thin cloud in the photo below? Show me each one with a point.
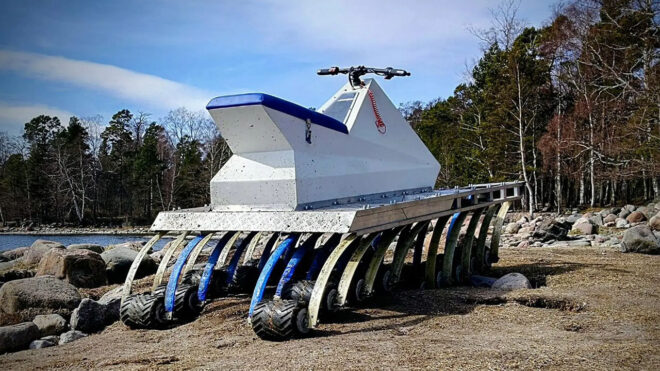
(13, 117)
(154, 91)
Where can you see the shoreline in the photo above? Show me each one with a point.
(139, 231)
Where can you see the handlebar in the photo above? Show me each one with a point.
(355, 73)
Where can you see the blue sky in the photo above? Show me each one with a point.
(96, 57)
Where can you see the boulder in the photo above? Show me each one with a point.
(118, 261)
(636, 217)
(38, 249)
(17, 337)
(640, 239)
(654, 223)
(584, 226)
(512, 281)
(596, 220)
(112, 302)
(80, 267)
(15, 253)
(624, 213)
(610, 218)
(88, 317)
(40, 344)
(523, 244)
(38, 295)
(644, 210)
(70, 336)
(12, 273)
(50, 324)
(133, 245)
(630, 208)
(621, 223)
(552, 230)
(512, 228)
(572, 218)
(86, 246)
(523, 220)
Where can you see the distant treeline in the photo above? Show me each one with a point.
(572, 108)
(124, 172)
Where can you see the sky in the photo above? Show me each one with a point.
(87, 58)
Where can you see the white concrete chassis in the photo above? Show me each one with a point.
(274, 168)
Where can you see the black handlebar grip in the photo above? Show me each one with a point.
(328, 71)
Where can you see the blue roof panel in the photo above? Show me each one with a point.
(277, 104)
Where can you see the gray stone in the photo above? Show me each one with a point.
(112, 302)
(38, 249)
(596, 220)
(512, 228)
(512, 281)
(572, 218)
(86, 246)
(15, 253)
(50, 324)
(80, 267)
(523, 245)
(636, 217)
(621, 223)
(640, 239)
(644, 210)
(630, 208)
(609, 218)
(577, 243)
(552, 230)
(17, 337)
(654, 223)
(38, 295)
(39, 344)
(133, 245)
(70, 336)
(118, 261)
(52, 338)
(88, 317)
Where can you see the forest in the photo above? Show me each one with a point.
(572, 108)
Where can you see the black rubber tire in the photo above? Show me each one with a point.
(192, 277)
(358, 291)
(126, 311)
(276, 320)
(244, 279)
(186, 304)
(381, 284)
(144, 311)
(160, 290)
(301, 291)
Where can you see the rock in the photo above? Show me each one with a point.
(645, 211)
(621, 223)
(86, 246)
(630, 208)
(610, 218)
(50, 324)
(640, 239)
(523, 244)
(624, 213)
(512, 281)
(39, 344)
(118, 261)
(636, 217)
(15, 274)
(526, 231)
(596, 220)
(15, 253)
(133, 245)
(572, 218)
(584, 226)
(523, 220)
(552, 230)
(17, 337)
(38, 295)
(654, 223)
(80, 267)
(112, 302)
(88, 317)
(70, 336)
(512, 228)
(38, 249)
(577, 243)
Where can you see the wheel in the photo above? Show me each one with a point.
(301, 291)
(192, 277)
(144, 311)
(160, 290)
(330, 298)
(358, 291)
(383, 279)
(186, 303)
(245, 277)
(279, 320)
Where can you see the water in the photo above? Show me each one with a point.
(12, 241)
